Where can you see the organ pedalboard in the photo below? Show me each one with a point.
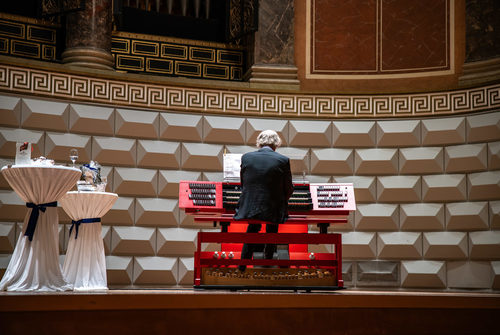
(297, 268)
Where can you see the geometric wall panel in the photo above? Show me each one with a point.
(159, 154)
(405, 245)
(469, 275)
(299, 159)
(443, 188)
(91, 119)
(359, 245)
(305, 133)
(176, 241)
(140, 124)
(423, 274)
(377, 273)
(465, 158)
(3, 182)
(7, 237)
(364, 187)
(377, 217)
(495, 265)
(332, 161)
(421, 217)
(484, 245)
(399, 189)
(484, 185)
(443, 131)
(445, 245)
(255, 126)
(354, 134)
(10, 109)
(425, 160)
(181, 127)
(494, 210)
(155, 270)
(466, 216)
(135, 181)
(494, 155)
(156, 212)
(58, 146)
(40, 114)
(485, 127)
(217, 129)
(186, 271)
(121, 214)
(197, 155)
(398, 133)
(376, 161)
(133, 241)
(119, 270)
(13, 208)
(10, 136)
(168, 181)
(114, 151)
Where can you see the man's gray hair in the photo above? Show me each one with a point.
(268, 138)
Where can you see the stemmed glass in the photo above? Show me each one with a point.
(73, 155)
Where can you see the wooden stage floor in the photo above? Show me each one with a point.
(189, 311)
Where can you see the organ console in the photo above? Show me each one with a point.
(321, 204)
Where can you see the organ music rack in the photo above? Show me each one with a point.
(315, 203)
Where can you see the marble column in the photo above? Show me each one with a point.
(88, 36)
(271, 49)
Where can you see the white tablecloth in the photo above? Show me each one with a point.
(85, 263)
(34, 265)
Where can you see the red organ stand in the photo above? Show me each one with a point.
(294, 267)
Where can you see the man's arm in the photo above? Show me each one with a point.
(287, 183)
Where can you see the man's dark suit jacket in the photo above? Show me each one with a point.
(266, 186)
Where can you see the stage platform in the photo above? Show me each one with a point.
(190, 311)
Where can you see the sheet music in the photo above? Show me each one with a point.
(232, 166)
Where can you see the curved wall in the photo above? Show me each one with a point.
(427, 188)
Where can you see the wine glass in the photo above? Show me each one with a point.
(73, 155)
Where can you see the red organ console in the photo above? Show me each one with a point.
(295, 267)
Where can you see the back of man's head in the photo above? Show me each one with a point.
(268, 138)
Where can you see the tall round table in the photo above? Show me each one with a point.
(85, 263)
(34, 265)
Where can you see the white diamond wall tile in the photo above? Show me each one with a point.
(494, 210)
(122, 212)
(310, 133)
(404, 133)
(365, 190)
(332, 161)
(316, 179)
(107, 171)
(176, 241)
(7, 237)
(4, 262)
(484, 245)
(138, 124)
(466, 216)
(469, 275)
(484, 185)
(13, 207)
(91, 119)
(106, 239)
(359, 245)
(494, 156)
(348, 273)
(465, 158)
(424, 160)
(255, 126)
(239, 149)
(48, 115)
(135, 181)
(119, 270)
(376, 161)
(319, 248)
(375, 217)
(445, 245)
(133, 241)
(443, 188)
(58, 146)
(3, 182)
(399, 189)
(155, 270)
(377, 273)
(156, 212)
(158, 154)
(181, 127)
(443, 131)
(201, 156)
(299, 159)
(495, 266)
(220, 129)
(212, 176)
(354, 134)
(483, 127)
(10, 136)
(422, 274)
(341, 227)
(168, 181)
(399, 245)
(114, 151)
(10, 109)
(186, 271)
(421, 217)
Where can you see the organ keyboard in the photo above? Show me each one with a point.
(315, 203)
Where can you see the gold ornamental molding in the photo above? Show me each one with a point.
(100, 88)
